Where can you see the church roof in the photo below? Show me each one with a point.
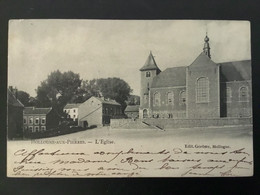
(236, 71)
(170, 77)
(202, 60)
(150, 63)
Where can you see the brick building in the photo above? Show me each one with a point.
(204, 89)
(98, 111)
(39, 119)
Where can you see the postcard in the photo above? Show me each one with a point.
(129, 98)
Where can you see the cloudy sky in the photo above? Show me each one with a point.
(115, 48)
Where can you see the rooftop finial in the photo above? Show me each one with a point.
(206, 48)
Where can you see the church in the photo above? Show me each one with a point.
(202, 90)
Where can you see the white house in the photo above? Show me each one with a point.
(72, 111)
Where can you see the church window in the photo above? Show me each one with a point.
(202, 90)
(228, 94)
(182, 100)
(145, 99)
(156, 99)
(148, 74)
(243, 94)
(170, 98)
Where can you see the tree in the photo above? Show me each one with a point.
(133, 100)
(113, 88)
(24, 97)
(58, 89)
(87, 89)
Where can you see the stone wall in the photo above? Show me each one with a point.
(235, 107)
(207, 109)
(176, 123)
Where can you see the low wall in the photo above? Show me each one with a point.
(176, 123)
(127, 124)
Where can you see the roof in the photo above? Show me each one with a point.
(170, 77)
(150, 63)
(12, 100)
(236, 71)
(202, 60)
(70, 106)
(107, 101)
(33, 110)
(132, 108)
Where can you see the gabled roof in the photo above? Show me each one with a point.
(107, 101)
(33, 110)
(170, 77)
(132, 108)
(202, 60)
(12, 100)
(150, 64)
(70, 106)
(236, 71)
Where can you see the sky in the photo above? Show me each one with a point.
(115, 48)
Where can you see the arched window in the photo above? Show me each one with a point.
(228, 94)
(182, 100)
(156, 99)
(202, 90)
(170, 98)
(243, 94)
(148, 74)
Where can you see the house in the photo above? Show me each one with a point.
(14, 116)
(39, 119)
(98, 111)
(204, 89)
(72, 111)
(132, 111)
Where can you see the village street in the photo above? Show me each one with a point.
(203, 134)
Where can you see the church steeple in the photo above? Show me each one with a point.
(150, 64)
(206, 48)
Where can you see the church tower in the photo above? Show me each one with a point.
(148, 72)
(203, 86)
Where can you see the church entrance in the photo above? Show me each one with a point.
(145, 113)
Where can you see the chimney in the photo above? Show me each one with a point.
(16, 92)
(11, 89)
